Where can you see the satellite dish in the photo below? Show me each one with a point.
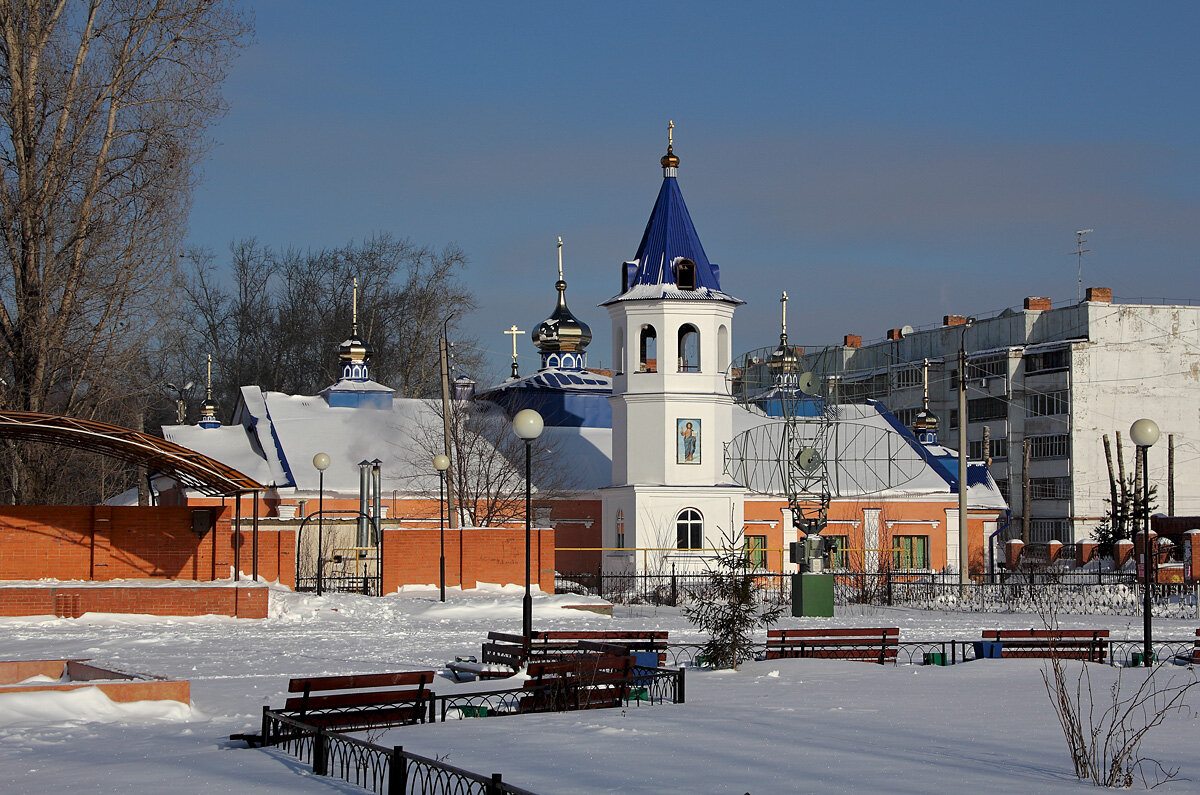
(808, 459)
(807, 383)
(906, 330)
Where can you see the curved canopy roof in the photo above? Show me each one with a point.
(193, 470)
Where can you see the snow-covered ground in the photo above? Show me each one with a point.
(778, 726)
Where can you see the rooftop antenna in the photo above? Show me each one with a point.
(514, 332)
(1079, 252)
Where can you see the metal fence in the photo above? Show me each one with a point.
(1084, 593)
(386, 771)
(366, 585)
(394, 771)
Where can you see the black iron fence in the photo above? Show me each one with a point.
(366, 585)
(1087, 593)
(394, 771)
(386, 771)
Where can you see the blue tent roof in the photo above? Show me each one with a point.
(669, 236)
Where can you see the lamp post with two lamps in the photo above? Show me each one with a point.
(321, 462)
(441, 463)
(527, 425)
(1144, 434)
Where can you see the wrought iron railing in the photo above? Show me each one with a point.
(382, 770)
(1084, 593)
(395, 771)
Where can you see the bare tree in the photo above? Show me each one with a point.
(279, 325)
(489, 464)
(103, 108)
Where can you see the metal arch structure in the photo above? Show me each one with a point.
(191, 469)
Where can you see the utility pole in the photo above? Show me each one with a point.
(450, 507)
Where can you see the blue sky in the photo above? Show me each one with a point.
(885, 163)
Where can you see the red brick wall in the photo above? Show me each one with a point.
(108, 543)
(250, 602)
(473, 555)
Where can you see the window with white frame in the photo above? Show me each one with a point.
(1050, 488)
(689, 529)
(620, 529)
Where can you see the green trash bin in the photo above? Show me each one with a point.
(812, 595)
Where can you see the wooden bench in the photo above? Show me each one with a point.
(504, 654)
(500, 658)
(361, 701)
(869, 644)
(585, 681)
(1069, 644)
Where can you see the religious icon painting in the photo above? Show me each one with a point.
(687, 441)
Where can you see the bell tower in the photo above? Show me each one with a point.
(672, 414)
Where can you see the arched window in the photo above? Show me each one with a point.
(619, 351)
(685, 274)
(689, 529)
(620, 529)
(689, 349)
(648, 350)
(723, 348)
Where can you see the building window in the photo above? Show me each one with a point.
(1047, 361)
(1052, 446)
(620, 529)
(685, 274)
(905, 416)
(1043, 530)
(907, 377)
(1048, 404)
(648, 350)
(723, 348)
(988, 408)
(987, 367)
(911, 552)
(689, 349)
(999, 449)
(689, 529)
(838, 546)
(756, 551)
(1049, 488)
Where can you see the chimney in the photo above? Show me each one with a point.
(953, 320)
(1036, 303)
(852, 341)
(894, 334)
(1099, 295)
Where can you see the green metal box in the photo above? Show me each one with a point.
(812, 595)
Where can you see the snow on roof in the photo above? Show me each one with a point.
(230, 444)
(645, 292)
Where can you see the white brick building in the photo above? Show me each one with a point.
(1062, 378)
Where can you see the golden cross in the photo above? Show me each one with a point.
(783, 301)
(670, 130)
(513, 332)
(560, 278)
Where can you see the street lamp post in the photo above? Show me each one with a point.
(964, 557)
(1144, 434)
(321, 462)
(441, 463)
(528, 426)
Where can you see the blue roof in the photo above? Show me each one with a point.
(670, 235)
